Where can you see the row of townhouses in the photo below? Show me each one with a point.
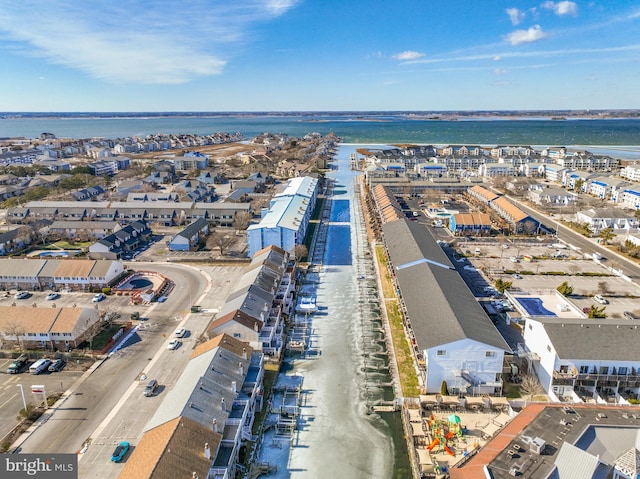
(167, 214)
(255, 311)
(205, 418)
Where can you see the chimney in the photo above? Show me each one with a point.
(207, 451)
(244, 353)
(241, 368)
(215, 425)
(234, 388)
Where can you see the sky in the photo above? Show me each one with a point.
(318, 55)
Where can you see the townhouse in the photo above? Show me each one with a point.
(190, 237)
(47, 328)
(453, 339)
(254, 312)
(206, 416)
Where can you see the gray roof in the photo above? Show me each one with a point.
(193, 229)
(439, 304)
(608, 340)
(574, 463)
(198, 392)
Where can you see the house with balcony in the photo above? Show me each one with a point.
(601, 218)
(286, 221)
(492, 170)
(552, 196)
(254, 312)
(205, 417)
(453, 340)
(190, 237)
(127, 238)
(604, 187)
(629, 197)
(584, 360)
(631, 172)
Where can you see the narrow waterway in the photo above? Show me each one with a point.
(348, 371)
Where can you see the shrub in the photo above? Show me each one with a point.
(443, 389)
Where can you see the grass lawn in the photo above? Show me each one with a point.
(75, 245)
(404, 359)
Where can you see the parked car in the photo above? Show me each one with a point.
(120, 451)
(57, 365)
(150, 388)
(629, 315)
(19, 364)
(52, 296)
(180, 332)
(600, 299)
(21, 295)
(173, 344)
(517, 276)
(98, 297)
(514, 259)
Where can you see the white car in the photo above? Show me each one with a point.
(173, 344)
(21, 294)
(52, 296)
(98, 297)
(180, 332)
(599, 299)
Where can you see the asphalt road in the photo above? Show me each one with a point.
(108, 406)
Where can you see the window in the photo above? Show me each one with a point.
(604, 370)
(237, 335)
(622, 371)
(441, 352)
(549, 348)
(490, 354)
(530, 327)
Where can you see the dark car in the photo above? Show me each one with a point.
(629, 315)
(57, 365)
(120, 451)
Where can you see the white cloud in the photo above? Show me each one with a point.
(516, 16)
(499, 71)
(533, 34)
(561, 8)
(408, 56)
(131, 42)
(497, 58)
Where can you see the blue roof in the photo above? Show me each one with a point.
(632, 192)
(599, 183)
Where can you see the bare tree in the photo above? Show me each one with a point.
(603, 287)
(242, 220)
(219, 239)
(531, 386)
(15, 328)
(301, 251)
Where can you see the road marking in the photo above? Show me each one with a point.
(8, 400)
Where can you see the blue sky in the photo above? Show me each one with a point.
(290, 55)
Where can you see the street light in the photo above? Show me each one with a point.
(24, 401)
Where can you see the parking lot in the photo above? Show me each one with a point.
(540, 267)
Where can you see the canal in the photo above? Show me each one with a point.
(347, 372)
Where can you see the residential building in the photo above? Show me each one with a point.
(254, 312)
(190, 237)
(125, 239)
(578, 360)
(47, 328)
(205, 417)
(57, 274)
(601, 218)
(453, 339)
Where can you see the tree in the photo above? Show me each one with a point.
(606, 235)
(444, 390)
(565, 289)
(219, 239)
(14, 328)
(531, 386)
(596, 312)
(578, 184)
(585, 229)
(603, 287)
(502, 285)
(242, 220)
(301, 252)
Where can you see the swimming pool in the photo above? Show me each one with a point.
(534, 307)
(338, 250)
(54, 254)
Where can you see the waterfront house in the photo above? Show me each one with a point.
(453, 340)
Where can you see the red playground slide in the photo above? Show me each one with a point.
(433, 444)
